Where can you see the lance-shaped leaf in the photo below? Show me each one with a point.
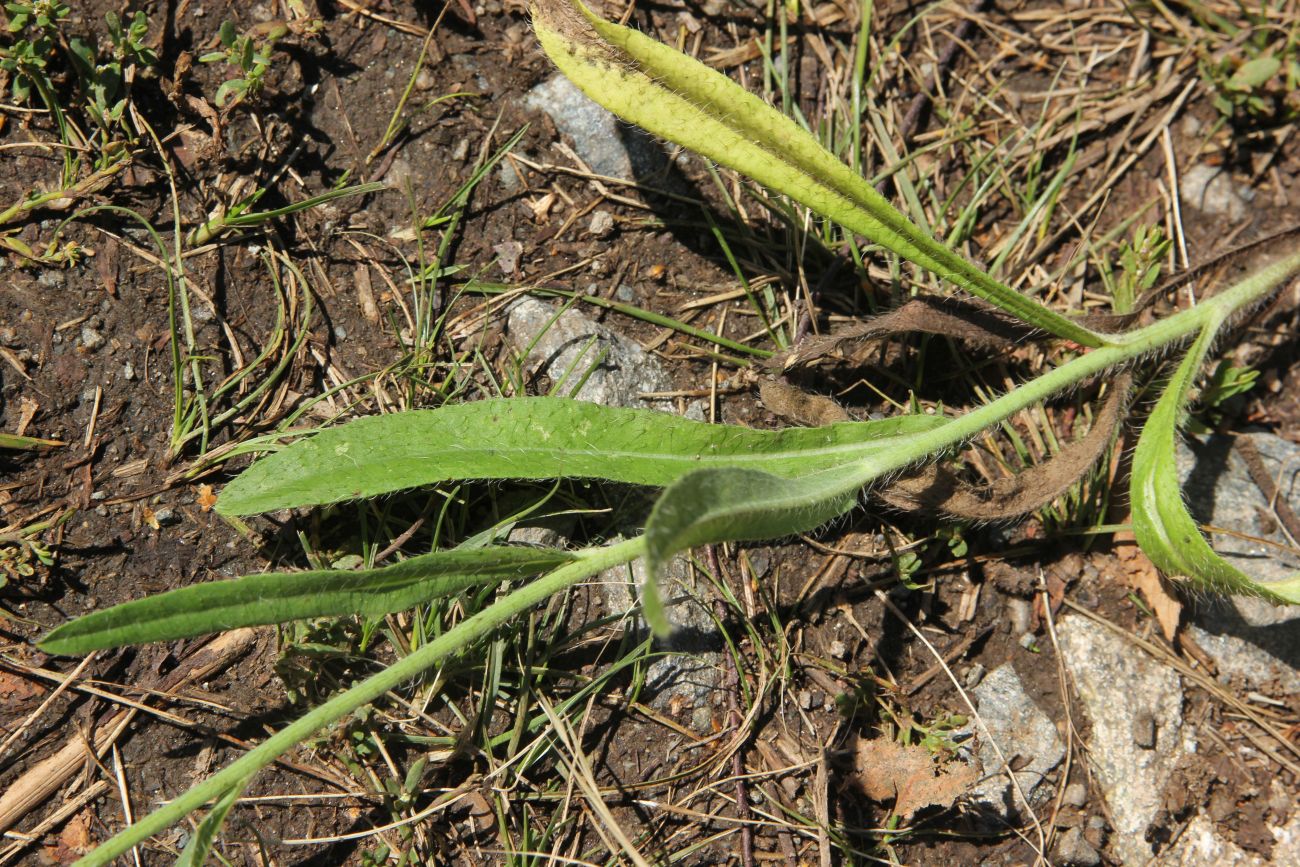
(275, 597)
(540, 438)
(1161, 523)
(732, 504)
(684, 101)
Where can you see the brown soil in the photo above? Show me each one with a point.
(93, 347)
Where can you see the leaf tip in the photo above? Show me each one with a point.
(652, 600)
(54, 644)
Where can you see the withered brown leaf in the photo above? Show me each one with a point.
(909, 776)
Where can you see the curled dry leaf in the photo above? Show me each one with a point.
(962, 320)
(909, 776)
(74, 840)
(936, 488)
(794, 404)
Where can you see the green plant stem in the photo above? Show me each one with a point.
(590, 562)
(731, 503)
(658, 88)
(1143, 341)
(73, 193)
(238, 217)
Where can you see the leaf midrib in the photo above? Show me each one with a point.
(852, 451)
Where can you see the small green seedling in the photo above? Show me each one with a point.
(1227, 382)
(105, 83)
(1252, 71)
(18, 560)
(719, 482)
(250, 56)
(97, 102)
(1140, 264)
(27, 58)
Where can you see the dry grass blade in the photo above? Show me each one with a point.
(580, 772)
(43, 779)
(49, 700)
(52, 821)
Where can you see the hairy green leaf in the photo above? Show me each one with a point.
(586, 563)
(540, 438)
(275, 597)
(684, 101)
(1161, 523)
(731, 504)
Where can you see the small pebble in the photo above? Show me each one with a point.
(839, 650)
(1028, 641)
(91, 339)
(974, 675)
(1019, 614)
(1076, 795)
(790, 787)
(805, 699)
(1074, 850)
(424, 80)
(166, 517)
(128, 372)
(1095, 831)
(602, 224)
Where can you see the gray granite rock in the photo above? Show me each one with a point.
(1201, 845)
(1020, 729)
(1249, 664)
(617, 371)
(1124, 692)
(689, 672)
(1211, 190)
(1072, 850)
(608, 146)
(571, 346)
(1221, 493)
